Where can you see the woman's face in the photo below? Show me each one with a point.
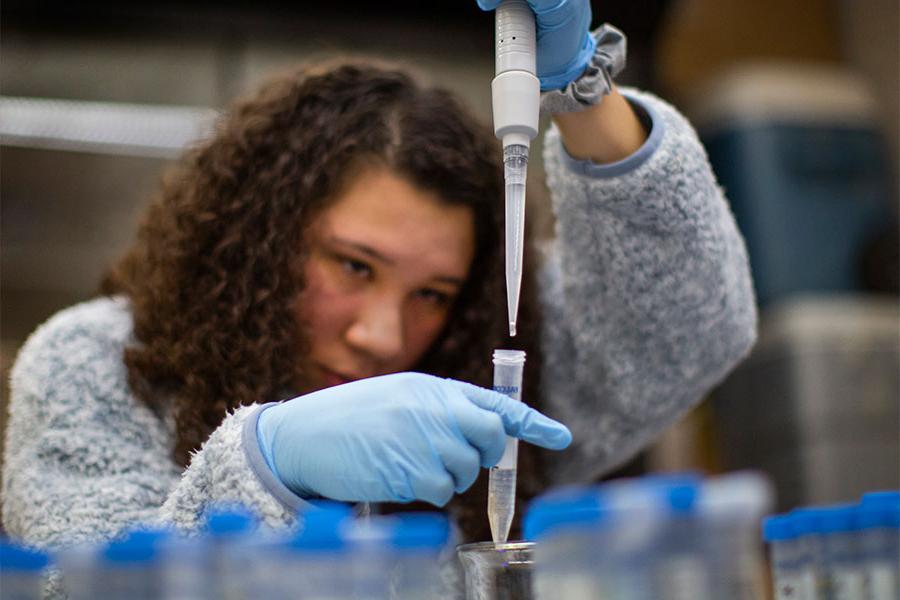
(387, 260)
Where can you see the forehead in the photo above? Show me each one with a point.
(404, 222)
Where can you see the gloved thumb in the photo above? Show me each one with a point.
(519, 419)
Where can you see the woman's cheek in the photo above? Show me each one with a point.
(425, 323)
(324, 299)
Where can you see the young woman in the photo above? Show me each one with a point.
(337, 246)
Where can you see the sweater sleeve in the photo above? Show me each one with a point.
(85, 459)
(646, 290)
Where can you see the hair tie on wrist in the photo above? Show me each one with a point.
(596, 80)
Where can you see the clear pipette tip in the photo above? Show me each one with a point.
(515, 167)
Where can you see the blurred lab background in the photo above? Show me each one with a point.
(797, 104)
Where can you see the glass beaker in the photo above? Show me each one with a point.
(498, 571)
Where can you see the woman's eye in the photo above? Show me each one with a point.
(435, 297)
(355, 267)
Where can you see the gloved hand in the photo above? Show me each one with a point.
(396, 438)
(564, 46)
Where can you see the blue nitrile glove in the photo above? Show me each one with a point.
(396, 438)
(564, 46)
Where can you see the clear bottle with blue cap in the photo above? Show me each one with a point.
(22, 572)
(793, 577)
(879, 539)
(78, 566)
(371, 557)
(731, 508)
(314, 563)
(651, 552)
(126, 568)
(675, 544)
(568, 527)
(682, 544)
(637, 539)
(187, 571)
(838, 527)
(807, 523)
(229, 536)
(418, 542)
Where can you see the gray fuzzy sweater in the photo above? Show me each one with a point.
(648, 303)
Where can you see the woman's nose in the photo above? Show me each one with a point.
(378, 328)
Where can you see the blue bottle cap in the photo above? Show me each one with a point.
(564, 509)
(137, 546)
(682, 498)
(14, 557)
(321, 527)
(421, 531)
(230, 521)
(778, 528)
(880, 509)
(673, 493)
(888, 499)
(838, 519)
(806, 521)
(873, 516)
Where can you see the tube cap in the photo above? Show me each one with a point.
(564, 509)
(778, 528)
(839, 518)
(230, 521)
(138, 546)
(806, 521)
(322, 528)
(884, 498)
(420, 531)
(888, 502)
(20, 559)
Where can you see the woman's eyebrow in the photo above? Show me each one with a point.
(363, 248)
(456, 281)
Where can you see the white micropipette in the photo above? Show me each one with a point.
(515, 98)
(508, 368)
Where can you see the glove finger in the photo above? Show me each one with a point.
(553, 13)
(519, 420)
(436, 486)
(461, 460)
(483, 430)
(488, 4)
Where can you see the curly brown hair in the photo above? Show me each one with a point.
(214, 271)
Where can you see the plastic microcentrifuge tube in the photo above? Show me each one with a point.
(508, 368)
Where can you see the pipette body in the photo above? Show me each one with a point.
(509, 366)
(515, 99)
